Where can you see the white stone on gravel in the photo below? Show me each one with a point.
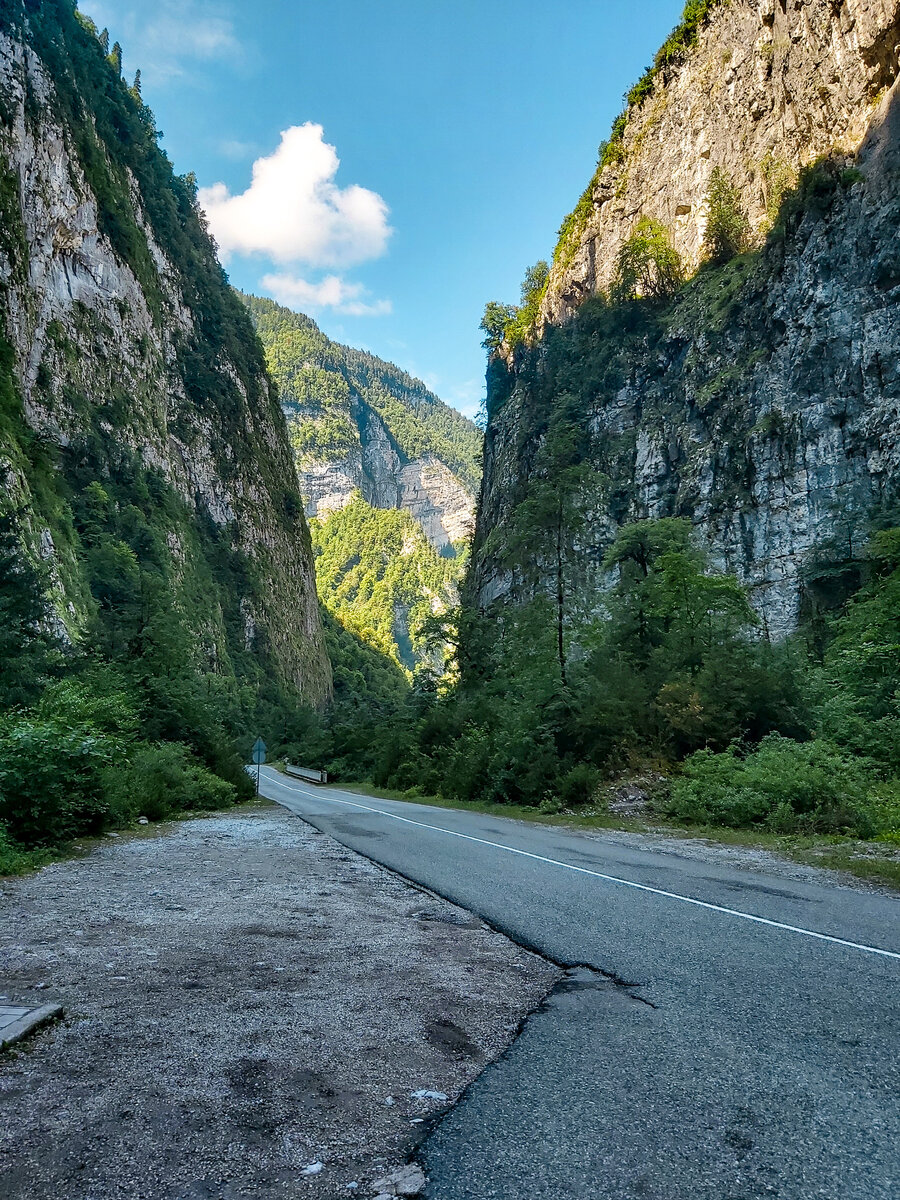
(405, 1181)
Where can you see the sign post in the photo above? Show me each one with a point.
(259, 757)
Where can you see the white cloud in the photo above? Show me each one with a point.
(172, 35)
(331, 292)
(293, 210)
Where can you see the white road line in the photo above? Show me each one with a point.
(555, 862)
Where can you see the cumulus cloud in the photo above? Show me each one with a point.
(294, 211)
(331, 292)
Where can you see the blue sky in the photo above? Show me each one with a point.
(464, 131)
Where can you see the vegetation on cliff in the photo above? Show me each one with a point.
(321, 383)
(380, 578)
(133, 672)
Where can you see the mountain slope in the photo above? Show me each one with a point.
(758, 399)
(358, 423)
(143, 453)
(377, 572)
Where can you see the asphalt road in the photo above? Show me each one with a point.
(745, 1057)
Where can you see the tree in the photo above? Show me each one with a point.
(648, 265)
(727, 225)
(28, 648)
(682, 629)
(496, 317)
(544, 530)
(534, 282)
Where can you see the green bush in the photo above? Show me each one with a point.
(648, 265)
(784, 785)
(162, 779)
(51, 780)
(579, 785)
(883, 810)
(727, 226)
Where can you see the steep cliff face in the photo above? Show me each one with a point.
(768, 87)
(130, 368)
(359, 424)
(763, 401)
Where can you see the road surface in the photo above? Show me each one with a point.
(734, 1035)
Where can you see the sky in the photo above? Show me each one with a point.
(387, 166)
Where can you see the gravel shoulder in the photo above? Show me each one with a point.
(756, 858)
(250, 1008)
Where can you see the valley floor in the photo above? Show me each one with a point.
(245, 1000)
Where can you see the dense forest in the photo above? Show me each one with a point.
(671, 682)
(380, 578)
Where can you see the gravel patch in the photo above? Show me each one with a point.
(250, 1011)
(749, 858)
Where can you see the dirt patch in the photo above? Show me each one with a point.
(245, 1001)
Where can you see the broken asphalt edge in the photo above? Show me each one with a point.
(569, 970)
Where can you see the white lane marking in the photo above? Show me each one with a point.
(555, 862)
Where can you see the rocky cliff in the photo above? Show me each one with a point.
(132, 378)
(762, 400)
(758, 88)
(359, 424)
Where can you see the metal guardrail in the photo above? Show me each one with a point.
(307, 773)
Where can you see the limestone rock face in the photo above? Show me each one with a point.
(764, 403)
(101, 354)
(377, 469)
(361, 424)
(771, 86)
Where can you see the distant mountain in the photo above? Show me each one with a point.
(359, 424)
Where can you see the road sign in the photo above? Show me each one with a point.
(259, 751)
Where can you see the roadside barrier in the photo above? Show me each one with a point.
(307, 773)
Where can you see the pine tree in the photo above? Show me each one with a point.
(26, 645)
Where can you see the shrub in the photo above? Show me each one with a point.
(883, 810)
(782, 784)
(579, 785)
(161, 779)
(51, 780)
(648, 265)
(727, 227)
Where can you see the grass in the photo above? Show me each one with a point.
(876, 862)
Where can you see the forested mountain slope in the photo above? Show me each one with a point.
(358, 423)
(389, 475)
(152, 520)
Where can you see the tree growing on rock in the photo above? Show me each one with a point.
(648, 265)
(727, 225)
